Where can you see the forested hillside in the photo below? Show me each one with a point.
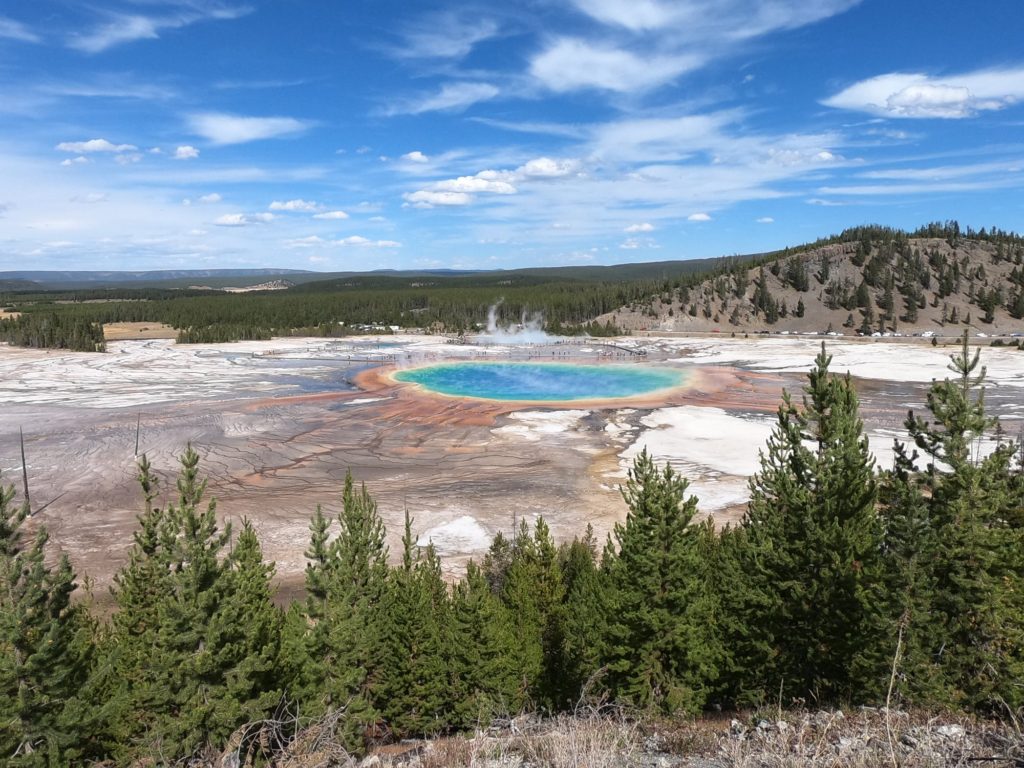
(867, 280)
(841, 585)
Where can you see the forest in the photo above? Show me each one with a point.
(842, 584)
(568, 299)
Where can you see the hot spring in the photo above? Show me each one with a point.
(541, 381)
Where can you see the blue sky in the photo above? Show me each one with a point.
(152, 134)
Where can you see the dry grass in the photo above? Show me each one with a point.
(867, 738)
(870, 738)
(133, 331)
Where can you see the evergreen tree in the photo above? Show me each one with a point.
(413, 695)
(975, 626)
(661, 646)
(485, 654)
(339, 637)
(583, 618)
(810, 546)
(191, 649)
(44, 646)
(533, 592)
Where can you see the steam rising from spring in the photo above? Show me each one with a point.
(530, 329)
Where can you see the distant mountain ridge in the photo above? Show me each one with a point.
(50, 277)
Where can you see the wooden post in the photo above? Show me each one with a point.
(138, 427)
(24, 471)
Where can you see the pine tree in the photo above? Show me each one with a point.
(413, 694)
(582, 618)
(191, 649)
(533, 592)
(661, 646)
(811, 541)
(338, 637)
(485, 654)
(975, 626)
(244, 638)
(44, 646)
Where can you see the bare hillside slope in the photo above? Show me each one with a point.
(882, 282)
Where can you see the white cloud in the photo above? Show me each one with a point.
(243, 219)
(711, 20)
(643, 227)
(451, 98)
(127, 28)
(547, 168)
(91, 197)
(636, 243)
(293, 205)
(155, 151)
(186, 152)
(128, 158)
(446, 36)
(362, 242)
(573, 63)
(75, 161)
(698, 217)
(917, 95)
(222, 128)
(631, 14)
(15, 30)
(765, 220)
(428, 199)
(473, 184)
(331, 215)
(213, 197)
(353, 241)
(94, 145)
(415, 157)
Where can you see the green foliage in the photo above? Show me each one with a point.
(45, 647)
(412, 695)
(959, 528)
(806, 556)
(661, 646)
(339, 641)
(486, 656)
(53, 330)
(191, 651)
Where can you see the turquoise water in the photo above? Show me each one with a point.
(541, 381)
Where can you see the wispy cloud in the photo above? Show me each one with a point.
(445, 36)
(293, 206)
(353, 241)
(572, 63)
(222, 128)
(452, 97)
(118, 29)
(15, 30)
(703, 20)
(918, 95)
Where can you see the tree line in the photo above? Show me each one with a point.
(53, 330)
(842, 584)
